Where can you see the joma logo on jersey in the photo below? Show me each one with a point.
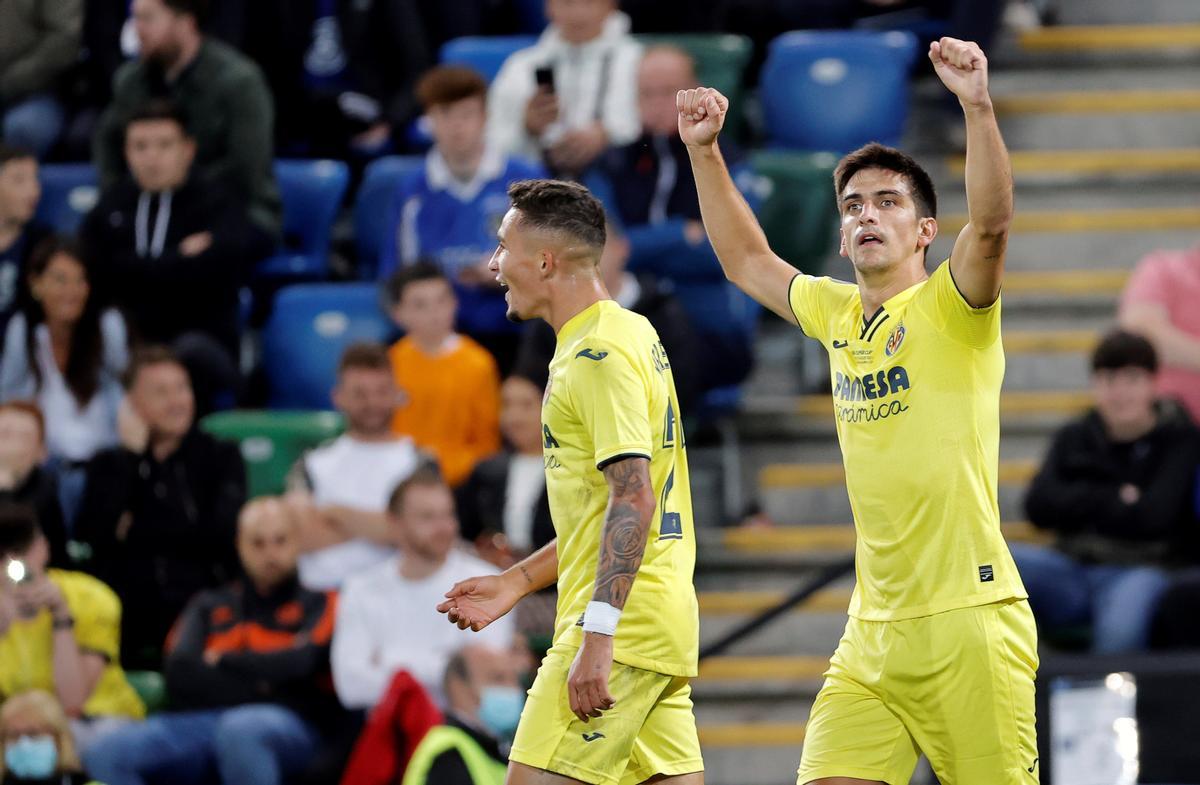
(872, 386)
(548, 439)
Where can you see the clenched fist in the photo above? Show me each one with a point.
(702, 113)
(962, 67)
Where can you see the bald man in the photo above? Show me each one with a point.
(245, 668)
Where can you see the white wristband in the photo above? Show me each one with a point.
(602, 618)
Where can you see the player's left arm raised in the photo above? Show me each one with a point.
(977, 261)
(627, 521)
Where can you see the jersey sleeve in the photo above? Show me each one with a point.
(944, 304)
(611, 396)
(807, 297)
(97, 613)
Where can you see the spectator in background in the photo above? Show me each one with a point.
(19, 235)
(449, 384)
(39, 42)
(66, 353)
(59, 632)
(172, 250)
(1159, 302)
(483, 705)
(1116, 489)
(36, 742)
(221, 92)
(341, 71)
(590, 101)
(643, 294)
(159, 512)
(244, 675)
(449, 212)
(340, 490)
(24, 481)
(387, 618)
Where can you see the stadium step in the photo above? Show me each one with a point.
(1071, 39)
(1033, 166)
(1130, 219)
(1058, 283)
(790, 541)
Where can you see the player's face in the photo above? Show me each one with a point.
(162, 396)
(19, 190)
(1124, 396)
(159, 154)
(880, 225)
(458, 127)
(518, 266)
(367, 399)
(521, 414)
(429, 527)
(267, 544)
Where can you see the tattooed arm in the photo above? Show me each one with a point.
(622, 543)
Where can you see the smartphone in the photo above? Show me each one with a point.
(16, 572)
(544, 76)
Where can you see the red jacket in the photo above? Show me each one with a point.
(396, 726)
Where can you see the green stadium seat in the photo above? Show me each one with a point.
(721, 60)
(151, 687)
(271, 441)
(798, 210)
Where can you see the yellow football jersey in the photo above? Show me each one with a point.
(916, 396)
(611, 395)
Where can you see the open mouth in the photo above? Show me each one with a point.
(869, 238)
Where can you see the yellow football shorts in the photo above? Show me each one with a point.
(957, 686)
(651, 729)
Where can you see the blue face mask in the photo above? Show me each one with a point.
(500, 710)
(32, 757)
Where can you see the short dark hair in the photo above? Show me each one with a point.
(366, 355)
(448, 84)
(426, 475)
(18, 528)
(878, 156)
(28, 408)
(456, 669)
(560, 206)
(197, 9)
(145, 356)
(158, 109)
(409, 274)
(10, 152)
(1122, 349)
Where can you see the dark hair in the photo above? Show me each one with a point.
(86, 355)
(426, 475)
(18, 528)
(145, 356)
(158, 109)
(877, 156)
(28, 408)
(560, 206)
(448, 84)
(1120, 349)
(366, 355)
(536, 373)
(197, 9)
(456, 669)
(10, 153)
(409, 274)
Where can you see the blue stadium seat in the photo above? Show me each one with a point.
(836, 90)
(69, 192)
(484, 53)
(310, 326)
(312, 193)
(375, 204)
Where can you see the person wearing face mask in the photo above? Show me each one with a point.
(159, 512)
(36, 741)
(483, 705)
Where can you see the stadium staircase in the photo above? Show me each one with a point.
(1102, 114)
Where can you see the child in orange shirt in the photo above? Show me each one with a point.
(449, 384)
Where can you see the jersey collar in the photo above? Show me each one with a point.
(577, 322)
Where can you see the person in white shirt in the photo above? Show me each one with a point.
(387, 619)
(340, 490)
(590, 102)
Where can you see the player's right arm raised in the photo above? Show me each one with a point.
(732, 227)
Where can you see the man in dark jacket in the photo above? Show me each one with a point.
(23, 480)
(244, 675)
(220, 91)
(172, 249)
(160, 511)
(1116, 489)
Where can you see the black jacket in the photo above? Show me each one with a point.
(481, 501)
(169, 294)
(40, 492)
(161, 531)
(1077, 491)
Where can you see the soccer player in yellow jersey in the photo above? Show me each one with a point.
(611, 704)
(940, 650)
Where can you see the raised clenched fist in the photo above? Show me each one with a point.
(962, 67)
(702, 113)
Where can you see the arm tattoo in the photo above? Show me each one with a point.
(625, 529)
(525, 572)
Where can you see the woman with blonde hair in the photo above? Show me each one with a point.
(36, 742)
